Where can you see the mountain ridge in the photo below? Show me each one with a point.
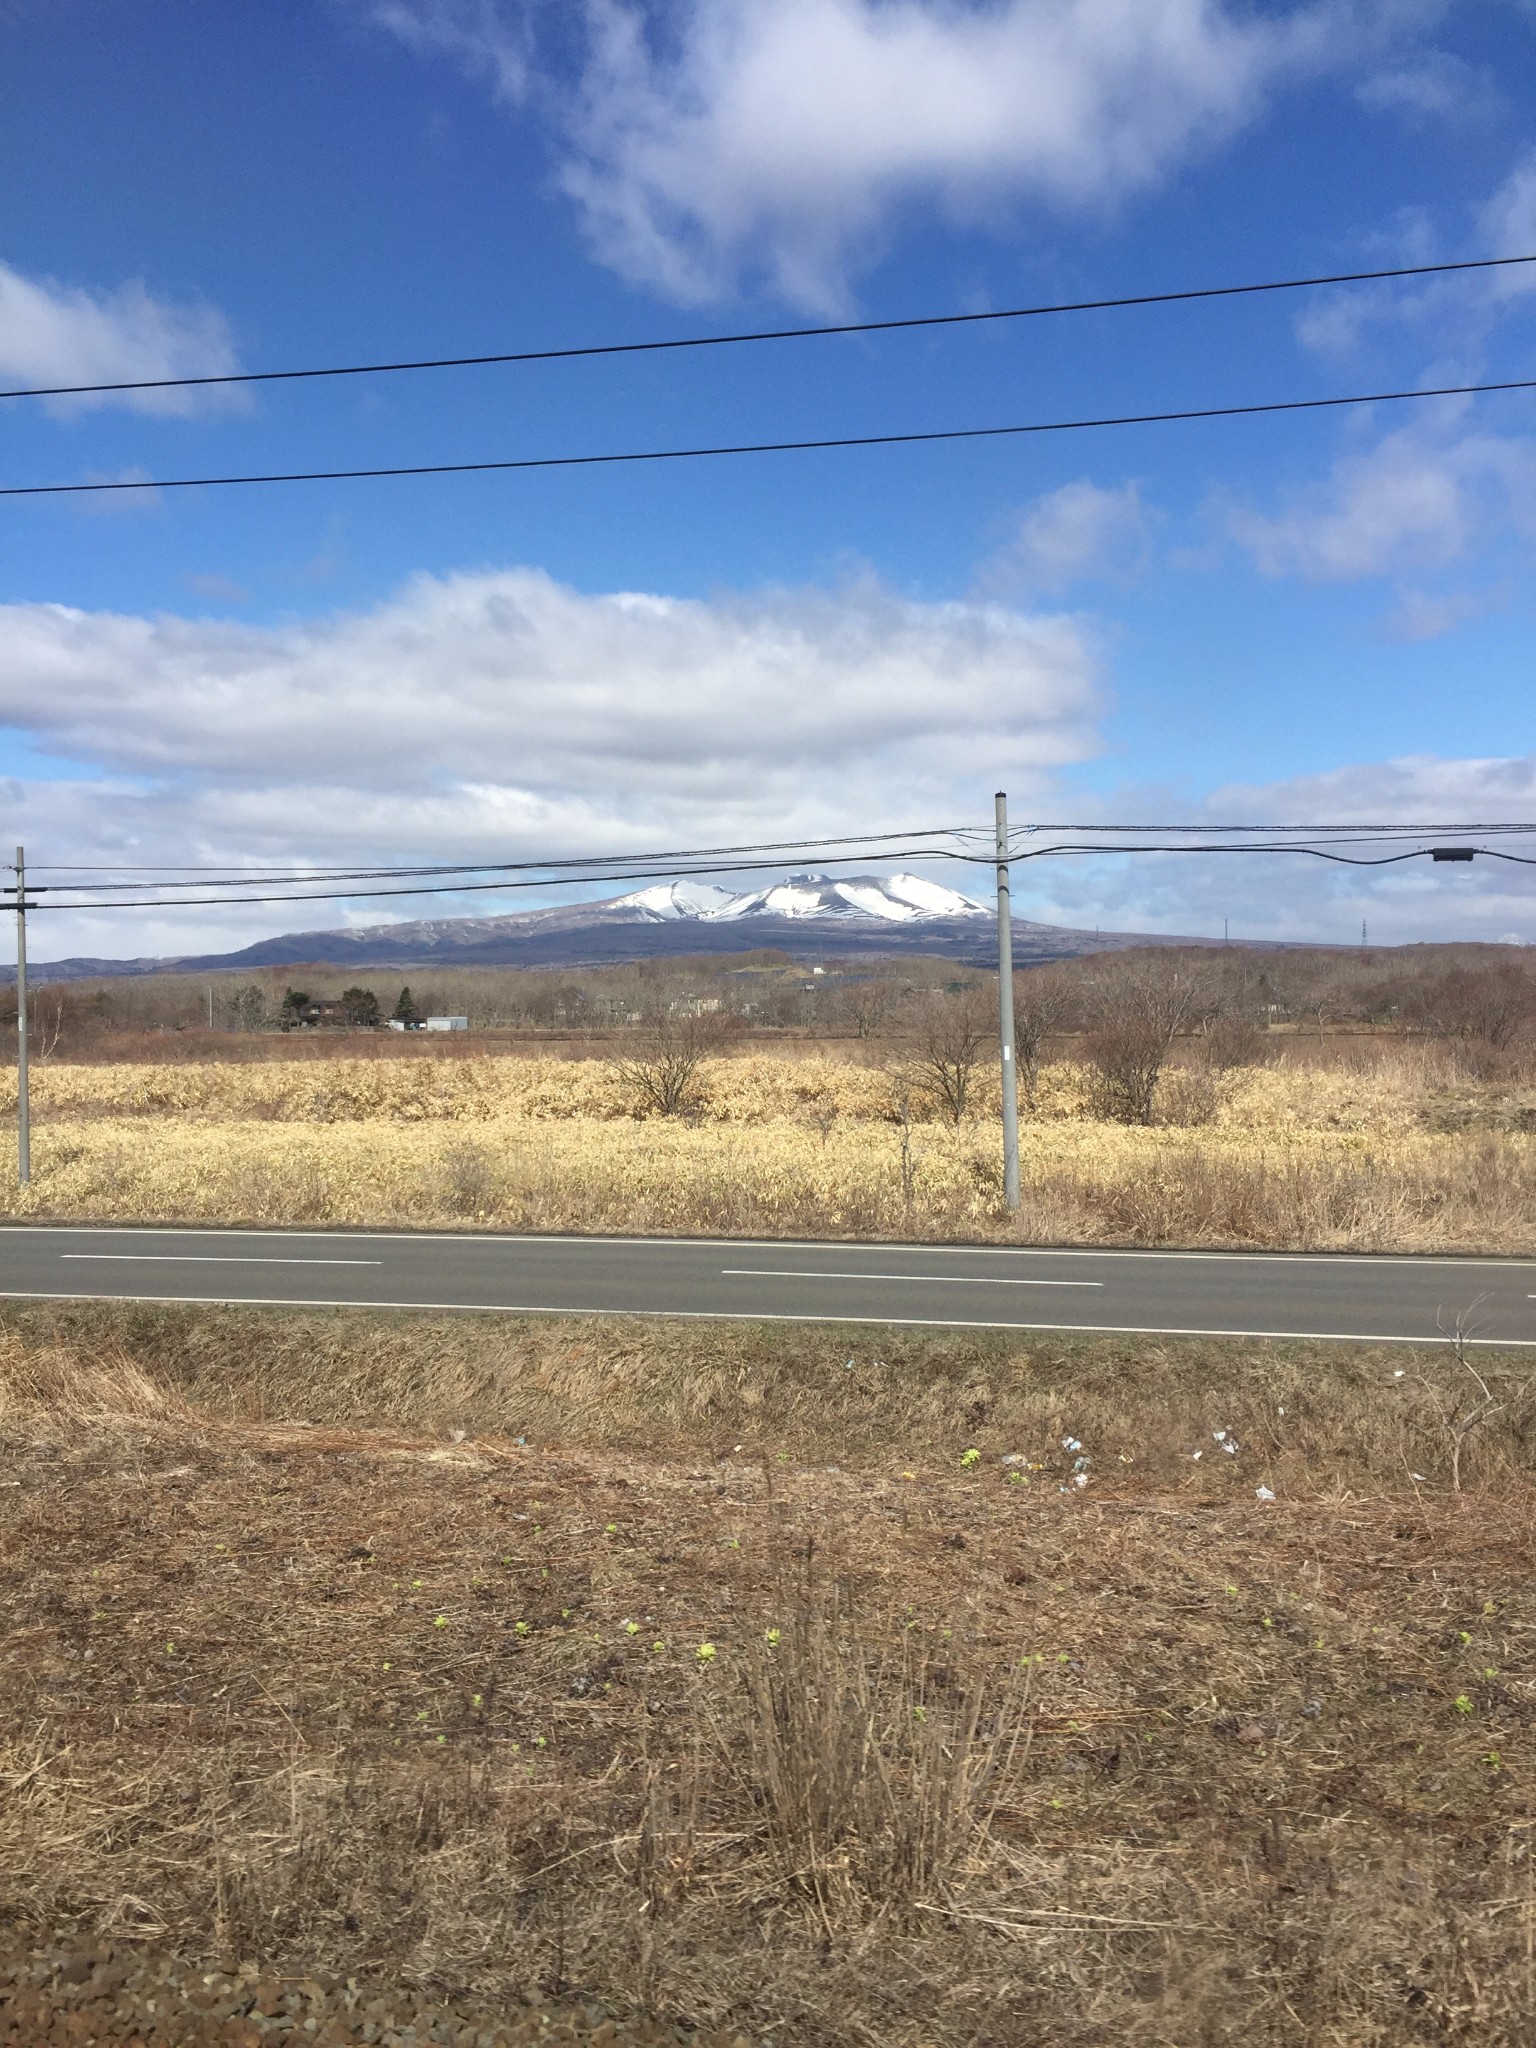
(806, 915)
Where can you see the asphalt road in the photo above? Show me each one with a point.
(1237, 1294)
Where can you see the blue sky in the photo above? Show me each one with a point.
(1314, 617)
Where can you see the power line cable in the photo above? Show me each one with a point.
(1142, 419)
(691, 341)
(233, 901)
(669, 873)
(599, 861)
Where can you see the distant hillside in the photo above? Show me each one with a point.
(808, 916)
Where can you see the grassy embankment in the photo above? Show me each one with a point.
(1389, 1151)
(739, 1692)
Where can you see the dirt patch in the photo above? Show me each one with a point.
(896, 1753)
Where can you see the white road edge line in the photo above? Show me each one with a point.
(209, 1259)
(708, 1315)
(1473, 1263)
(903, 1279)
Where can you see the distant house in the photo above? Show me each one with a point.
(317, 1014)
(447, 1024)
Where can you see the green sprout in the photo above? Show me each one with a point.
(441, 1621)
(970, 1457)
(705, 1653)
(1462, 1704)
(772, 1637)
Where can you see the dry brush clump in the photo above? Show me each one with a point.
(700, 1733)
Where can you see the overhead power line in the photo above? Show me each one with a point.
(1315, 852)
(690, 341)
(1137, 419)
(599, 862)
(1323, 842)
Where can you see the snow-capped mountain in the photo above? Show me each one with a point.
(895, 899)
(806, 916)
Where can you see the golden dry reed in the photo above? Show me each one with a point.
(1395, 1154)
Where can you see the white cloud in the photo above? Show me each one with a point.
(1432, 84)
(715, 141)
(1415, 501)
(1508, 226)
(478, 33)
(1427, 615)
(1080, 531)
(52, 333)
(1302, 900)
(501, 715)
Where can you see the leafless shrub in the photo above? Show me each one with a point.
(1044, 1002)
(1139, 1005)
(946, 1036)
(664, 1073)
(1463, 1402)
(467, 1175)
(1232, 1038)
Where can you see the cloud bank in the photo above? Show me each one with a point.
(53, 333)
(501, 715)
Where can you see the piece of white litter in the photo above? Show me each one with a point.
(1399, 1374)
(1262, 1493)
(1014, 1458)
(1420, 1477)
(1081, 1479)
(1281, 1411)
(1197, 1455)
(1218, 1436)
(1231, 1446)
(1070, 1443)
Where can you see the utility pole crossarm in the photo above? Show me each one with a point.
(1005, 1011)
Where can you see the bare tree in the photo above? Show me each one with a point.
(247, 1007)
(946, 1035)
(1139, 1005)
(1044, 1002)
(1491, 1003)
(868, 1004)
(664, 1073)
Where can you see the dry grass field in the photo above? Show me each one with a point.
(457, 1675)
(1367, 1145)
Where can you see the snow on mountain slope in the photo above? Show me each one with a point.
(671, 900)
(894, 899)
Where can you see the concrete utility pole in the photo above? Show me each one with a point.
(23, 1105)
(1005, 1011)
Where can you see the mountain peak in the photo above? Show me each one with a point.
(890, 899)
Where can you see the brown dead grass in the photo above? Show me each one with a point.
(308, 1660)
